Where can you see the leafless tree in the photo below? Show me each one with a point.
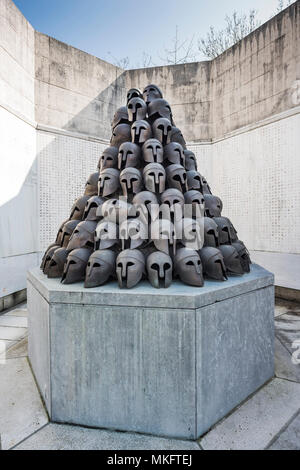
(146, 61)
(238, 25)
(123, 63)
(180, 52)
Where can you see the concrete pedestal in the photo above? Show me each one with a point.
(169, 362)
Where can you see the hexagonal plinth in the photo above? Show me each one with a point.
(168, 362)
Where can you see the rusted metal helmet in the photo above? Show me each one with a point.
(188, 267)
(77, 209)
(162, 233)
(129, 156)
(232, 259)
(83, 235)
(130, 268)
(75, 266)
(176, 177)
(47, 257)
(134, 93)
(159, 269)
(133, 233)
(58, 240)
(190, 160)
(131, 181)
(243, 254)
(154, 177)
(145, 199)
(193, 180)
(153, 151)
(190, 233)
(162, 130)
(137, 109)
(68, 229)
(91, 186)
(140, 132)
(213, 263)
(194, 203)
(173, 153)
(176, 136)
(108, 159)
(225, 230)
(91, 208)
(211, 233)
(100, 268)
(120, 117)
(151, 92)
(213, 205)
(120, 134)
(172, 196)
(173, 200)
(205, 188)
(114, 210)
(106, 235)
(159, 108)
(57, 262)
(109, 182)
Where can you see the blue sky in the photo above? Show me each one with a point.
(129, 28)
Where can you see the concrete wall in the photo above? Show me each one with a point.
(256, 173)
(254, 79)
(18, 175)
(187, 89)
(75, 91)
(251, 81)
(240, 113)
(64, 163)
(76, 96)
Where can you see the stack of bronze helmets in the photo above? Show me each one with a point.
(146, 213)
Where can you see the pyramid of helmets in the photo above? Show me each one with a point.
(146, 213)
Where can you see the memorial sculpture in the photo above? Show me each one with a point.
(146, 213)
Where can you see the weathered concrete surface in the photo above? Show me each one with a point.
(18, 194)
(284, 367)
(100, 361)
(257, 422)
(286, 306)
(14, 321)
(20, 349)
(75, 94)
(290, 438)
(62, 437)
(288, 329)
(39, 342)
(12, 334)
(235, 350)
(11, 300)
(249, 82)
(178, 295)
(75, 90)
(17, 61)
(187, 89)
(21, 408)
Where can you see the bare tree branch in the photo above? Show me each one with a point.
(180, 52)
(123, 63)
(237, 26)
(146, 61)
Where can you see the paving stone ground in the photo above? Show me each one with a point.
(270, 419)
